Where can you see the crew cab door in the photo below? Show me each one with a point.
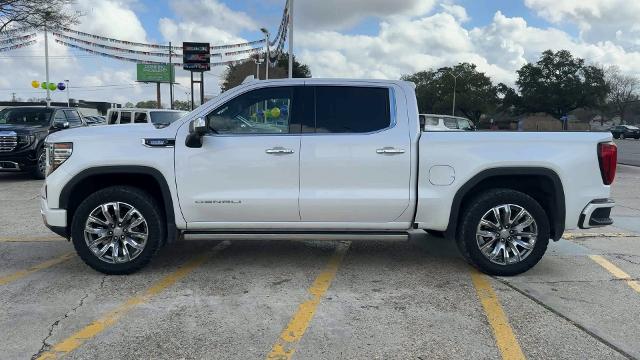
(355, 160)
(247, 170)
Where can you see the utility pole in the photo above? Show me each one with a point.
(68, 98)
(290, 39)
(455, 83)
(13, 97)
(46, 63)
(171, 72)
(268, 60)
(258, 61)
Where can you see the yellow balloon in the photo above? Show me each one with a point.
(35, 84)
(275, 112)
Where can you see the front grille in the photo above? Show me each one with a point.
(8, 141)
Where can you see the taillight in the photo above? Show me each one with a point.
(608, 159)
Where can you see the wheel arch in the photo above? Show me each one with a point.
(543, 184)
(93, 179)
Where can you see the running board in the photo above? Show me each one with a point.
(286, 235)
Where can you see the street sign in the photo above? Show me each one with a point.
(196, 56)
(161, 73)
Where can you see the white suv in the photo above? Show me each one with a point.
(157, 117)
(433, 122)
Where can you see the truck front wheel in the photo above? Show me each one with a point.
(117, 230)
(503, 232)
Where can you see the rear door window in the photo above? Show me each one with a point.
(125, 117)
(451, 123)
(346, 109)
(141, 118)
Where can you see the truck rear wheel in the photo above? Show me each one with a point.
(117, 230)
(503, 232)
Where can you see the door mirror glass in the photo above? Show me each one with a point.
(198, 126)
(197, 129)
(60, 125)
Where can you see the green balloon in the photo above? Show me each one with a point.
(43, 85)
(52, 86)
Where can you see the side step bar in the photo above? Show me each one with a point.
(286, 235)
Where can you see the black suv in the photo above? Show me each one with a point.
(625, 132)
(22, 134)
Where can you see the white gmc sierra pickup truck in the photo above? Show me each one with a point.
(321, 159)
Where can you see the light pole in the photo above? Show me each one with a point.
(258, 61)
(68, 100)
(46, 63)
(290, 39)
(455, 83)
(266, 39)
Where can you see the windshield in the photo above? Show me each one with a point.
(166, 117)
(632, 127)
(27, 116)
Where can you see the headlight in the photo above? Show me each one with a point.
(26, 140)
(57, 154)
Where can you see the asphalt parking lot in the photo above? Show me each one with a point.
(318, 300)
(629, 151)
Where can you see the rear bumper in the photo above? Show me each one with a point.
(597, 214)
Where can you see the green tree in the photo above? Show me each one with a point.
(181, 105)
(36, 14)
(148, 104)
(475, 93)
(623, 90)
(560, 83)
(237, 73)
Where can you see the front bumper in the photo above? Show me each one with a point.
(54, 219)
(18, 160)
(597, 214)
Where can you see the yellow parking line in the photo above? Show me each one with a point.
(292, 334)
(92, 330)
(4, 280)
(502, 331)
(616, 271)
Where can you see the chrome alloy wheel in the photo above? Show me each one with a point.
(42, 163)
(116, 232)
(507, 234)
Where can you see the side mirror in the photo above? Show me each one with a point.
(197, 129)
(60, 125)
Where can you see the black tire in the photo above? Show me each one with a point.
(39, 170)
(470, 219)
(139, 199)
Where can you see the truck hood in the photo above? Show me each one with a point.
(110, 133)
(23, 129)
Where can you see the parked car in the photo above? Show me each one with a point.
(433, 122)
(157, 117)
(351, 162)
(94, 120)
(625, 132)
(23, 131)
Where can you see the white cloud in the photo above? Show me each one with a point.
(405, 46)
(598, 20)
(110, 18)
(340, 14)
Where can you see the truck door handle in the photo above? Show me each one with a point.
(279, 151)
(390, 151)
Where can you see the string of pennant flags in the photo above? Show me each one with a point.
(17, 39)
(123, 58)
(17, 46)
(6, 33)
(157, 46)
(147, 53)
